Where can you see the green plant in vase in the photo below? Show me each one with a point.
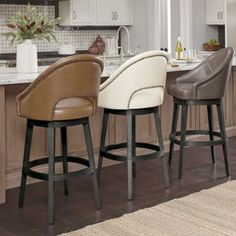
(24, 27)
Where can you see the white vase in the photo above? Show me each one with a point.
(26, 57)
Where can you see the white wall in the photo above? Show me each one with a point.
(145, 19)
(140, 30)
(201, 32)
(146, 29)
(175, 23)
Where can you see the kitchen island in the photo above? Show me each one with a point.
(13, 128)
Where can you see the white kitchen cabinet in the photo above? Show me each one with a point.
(96, 12)
(77, 12)
(215, 12)
(114, 12)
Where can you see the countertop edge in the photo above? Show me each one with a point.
(9, 76)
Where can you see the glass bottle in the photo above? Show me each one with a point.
(178, 49)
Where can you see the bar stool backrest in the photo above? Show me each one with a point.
(73, 77)
(138, 83)
(211, 76)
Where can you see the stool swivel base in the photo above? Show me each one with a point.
(222, 139)
(51, 177)
(131, 145)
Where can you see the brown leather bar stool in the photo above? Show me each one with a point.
(64, 95)
(204, 85)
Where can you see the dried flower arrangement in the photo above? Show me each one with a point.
(32, 25)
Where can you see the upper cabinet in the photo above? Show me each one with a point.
(215, 12)
(96, 12)
(114, 12)
(77, 12)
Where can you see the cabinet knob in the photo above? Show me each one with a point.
(113, 16)
(218, 15)
(116, 15)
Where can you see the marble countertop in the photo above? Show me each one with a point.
(10, 76)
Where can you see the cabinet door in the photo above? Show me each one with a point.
(215, 12)
(123, 12)
(211, 12)
(105, 14)
(221, 9)
(113, 12)
(82, 12)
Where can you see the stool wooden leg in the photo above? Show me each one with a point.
(130, 153)
(184, 117)
(102, 144)
(89, 146)
(133, 146)
(51, 171)
(64, 156)
(173, 129)
(28, 139)
(161, 145)
(210, 123)
(223, 136)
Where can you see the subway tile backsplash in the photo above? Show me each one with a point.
(82, 39)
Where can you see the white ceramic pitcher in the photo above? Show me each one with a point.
(26, 57)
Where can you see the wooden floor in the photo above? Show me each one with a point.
(78, 209)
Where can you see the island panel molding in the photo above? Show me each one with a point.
(13, 130)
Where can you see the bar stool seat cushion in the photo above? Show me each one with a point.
(72, 108)
(149, 97)
(185, 91)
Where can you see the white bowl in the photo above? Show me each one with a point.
(67, 49)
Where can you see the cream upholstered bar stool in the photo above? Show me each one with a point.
(62, 96)
(204, 86)
(136, 88)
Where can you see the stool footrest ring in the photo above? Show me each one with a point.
(57, 177)
(105, 152)
(197, 143)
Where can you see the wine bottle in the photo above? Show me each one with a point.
(178, 49)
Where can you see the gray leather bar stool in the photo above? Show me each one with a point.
(204, 85)
(64, 95)
(136, 88)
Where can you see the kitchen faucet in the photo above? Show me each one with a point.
(128, 53)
